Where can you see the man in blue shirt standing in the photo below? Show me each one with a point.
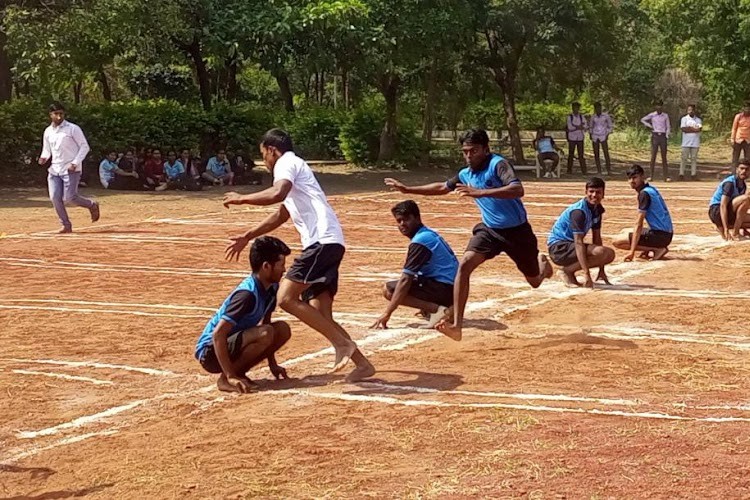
(729, 206)
(429, 272)
(566, 244)
(491, 181)
(240, 334)
(652, 209)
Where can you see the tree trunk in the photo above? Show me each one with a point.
(428, 118)
(507, 83)
(233, 87)
(106, 89)
(77, 90)
(286, 91)
(194, 51)
(389, 88)
(345, 87)
(6, 77)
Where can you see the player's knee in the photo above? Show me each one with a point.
(387, 294)
(282, 332)
(608, 254)
(286, 300)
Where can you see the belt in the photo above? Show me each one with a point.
(658, 133)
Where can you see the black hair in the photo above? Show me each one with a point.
(56, 106)
(597, 103)
(595, 183)
(171, 152)
(745, 162)
(634, 170)
(692, 106)
(575, 103)
(746, 104)
(267, 249)
(476, 136)
(408, 207)
(658, 102)
(278, 139)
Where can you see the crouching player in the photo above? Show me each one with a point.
(240, 334)
(429, 272)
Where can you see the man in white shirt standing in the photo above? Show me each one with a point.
(65, 144)
(576, 133)
(309, 287)
(691, 127)
(601, 127)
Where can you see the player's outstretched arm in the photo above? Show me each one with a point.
(434, 189)
(511, 191)
(238, 243)
(270, 196)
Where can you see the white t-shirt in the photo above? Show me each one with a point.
(691, 139)
(308, 207)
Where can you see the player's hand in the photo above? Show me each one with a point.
(278, 371)
(394, 184)
(589, 283)
(629, 257)
(43, 161)
(72, 167)
(382, 322)
(602, 276)
(464, 190)
(236, 246)
(242, 384)
(728, 235)
(231, 198)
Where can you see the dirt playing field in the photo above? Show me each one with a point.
(637, 390)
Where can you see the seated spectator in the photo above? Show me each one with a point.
(191, 166)
(174, 173)
(218, 171)
(128, 163)
(243, 172)
(153, 169)
(114, 177)
(546, 152)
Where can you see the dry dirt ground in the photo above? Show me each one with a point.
(638, 390)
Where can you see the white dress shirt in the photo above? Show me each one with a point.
(601, 127)
(691, 139)
(65, 144)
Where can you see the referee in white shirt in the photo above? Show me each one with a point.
(65, 144)
(691, 127)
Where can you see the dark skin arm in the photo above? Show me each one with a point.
(434, 189)
(238, 243)
(510, 191)
(582, 259)
(399, 294)
(239, 380)
(597, 240)
(727, 231)
(274, 194)
(636, 234)
(277, 371)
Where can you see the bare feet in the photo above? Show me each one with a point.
(241, 385)
(569, 279)
(644, 256)
(660, 253)
(95, 213)
(450, 330)
(343, 356)
(545, 268)
(363, 371)
(65, 230)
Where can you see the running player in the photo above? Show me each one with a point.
(233, 341)
(651, 208)
(566, 240)
(491, 180)
(427, 278)
(308, 290)
(730, 203)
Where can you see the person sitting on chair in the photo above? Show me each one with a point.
(546, 152)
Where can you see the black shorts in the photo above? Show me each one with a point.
(210, 362)
(563, 253)
(518, 242)
(653, 238)
(714, 213)
(429, 290)
(318, 266)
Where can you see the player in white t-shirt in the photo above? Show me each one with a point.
(308, 290)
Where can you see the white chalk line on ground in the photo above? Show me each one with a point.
(93, 364)
(65, 377)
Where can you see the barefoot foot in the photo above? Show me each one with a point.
(363, 371)
(223, 385)
(660, 253)
(450, 330)
(545, 268)
(343, 356)
(569, 279)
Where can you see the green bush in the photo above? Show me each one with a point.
(316, 131)
(548, 115)
(488, 115)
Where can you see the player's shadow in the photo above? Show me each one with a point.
(417, 382)
(121, 231)
(60, 494)
(487, 325)
(585, 339)
(36, 472)
(634, 288)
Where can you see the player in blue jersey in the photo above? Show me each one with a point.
(491, 181)
(428, 274)
(653, 210)
(566, 244)
(729, 206)
(240, 334)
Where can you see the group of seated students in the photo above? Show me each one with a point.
(149, 171)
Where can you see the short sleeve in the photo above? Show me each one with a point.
(644, 201)
(417, 256)
(284, 170)
(578, 222)
(727, 189)
(240, 304)
(506, 173)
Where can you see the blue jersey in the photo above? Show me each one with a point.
(245, 307)
(497, 213)
(731, 186)
(652, 204)
(175, 170)
(430, 256)
(578, 218)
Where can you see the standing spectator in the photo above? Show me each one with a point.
(153, 169)
(741, 136)
(691, 127)
(218, 171)
(601, 127)
(658, 122)
(174, 173)
(112, 176)
(576, 130)
(65, 144)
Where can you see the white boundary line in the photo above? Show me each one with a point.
(93, 364)
(64, 376)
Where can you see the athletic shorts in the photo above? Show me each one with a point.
(563, 253)
(318, 266)
(714, 213)
(210, 362)
(518, 242)
(653, 238)
(429, 290)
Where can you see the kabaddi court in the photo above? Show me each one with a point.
(635, 389)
